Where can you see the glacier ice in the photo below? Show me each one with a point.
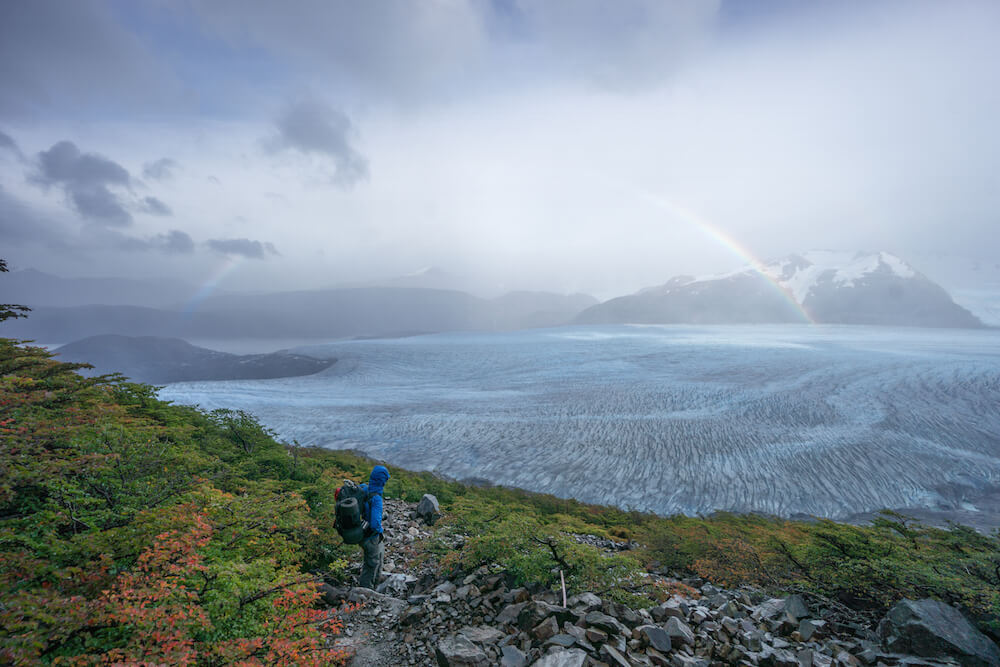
(824, 420)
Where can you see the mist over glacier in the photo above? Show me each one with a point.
(823, 420)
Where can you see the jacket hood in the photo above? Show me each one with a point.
(378, 478)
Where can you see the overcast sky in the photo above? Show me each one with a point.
(569, 145)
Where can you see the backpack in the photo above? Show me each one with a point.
(351, 507)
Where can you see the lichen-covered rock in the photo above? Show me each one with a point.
(932, 629)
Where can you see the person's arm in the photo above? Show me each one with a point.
(375, 520)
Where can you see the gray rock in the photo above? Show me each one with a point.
(932, 629)
(571, 658)
(613, 656)
(545, 629)
(796, 606)
(457, 651)
(604, 622)
(428, 509)
(586, 601)
(679, 631)
(810, 628)
(482, 634)
(655, 636)
(513, 657)
(508, 615)
(666, 610)
(563, 640)
(535, 612)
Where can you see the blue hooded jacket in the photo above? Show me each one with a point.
(375, 486)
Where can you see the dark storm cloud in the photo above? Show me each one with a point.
(85, 178)
(174, 242)
(74, 55)
(242, 247)
(313, 127)
(154, 206)
(160, 170)
(7, 143)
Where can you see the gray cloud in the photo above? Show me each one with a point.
(174, 242)
(160, 170)
(8, 143)
(154, 206)
(243, 247)
(59, 55)
(22, 226)
(85, 178)
(313, 127)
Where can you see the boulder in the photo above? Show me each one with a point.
(482, 634)
(796, 607)
(932, 629)
(513, 657)
(655, 636)
(606, 623)
(535, 612)
(613, 656)
(457, 651)
(508, 615)
(585, 601)
(428, 509)
(571, 658)
(679, 631)
(545, 629)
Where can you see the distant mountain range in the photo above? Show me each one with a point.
(332, 313)
(160, 360)
(875, 288)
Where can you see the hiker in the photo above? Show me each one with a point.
(359, 521)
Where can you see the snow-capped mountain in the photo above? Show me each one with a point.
(833, 287)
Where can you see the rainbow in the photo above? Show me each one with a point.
(229, 264)
(732, 245)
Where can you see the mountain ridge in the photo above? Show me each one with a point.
(822, 286)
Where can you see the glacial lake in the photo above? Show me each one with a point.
(820, 420)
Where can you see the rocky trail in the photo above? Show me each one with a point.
(418, 618)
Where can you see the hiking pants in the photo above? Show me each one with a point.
(371, 569)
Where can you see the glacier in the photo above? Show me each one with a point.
(827, 421)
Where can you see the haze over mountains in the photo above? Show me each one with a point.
(160, 360)
(874, 288)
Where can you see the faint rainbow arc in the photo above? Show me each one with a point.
(687, 215)
(211, 284)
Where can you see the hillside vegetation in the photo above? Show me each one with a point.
(133, 530)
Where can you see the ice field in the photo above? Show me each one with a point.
(828, 421)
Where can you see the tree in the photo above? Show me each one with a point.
(11, 310)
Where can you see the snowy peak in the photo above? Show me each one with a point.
(799, 275)
(821, 286)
